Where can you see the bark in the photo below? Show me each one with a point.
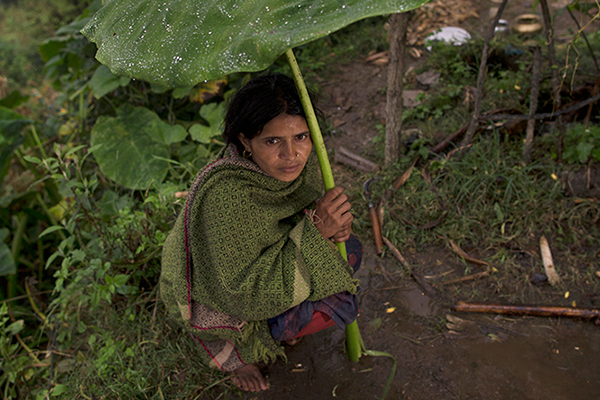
(533, 103)
(480, 79)
(346, 157)
(541, 311)
(393, 126)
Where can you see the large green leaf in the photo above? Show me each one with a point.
(103, 81)
(131, 145)
(213, 114)
(182, 42)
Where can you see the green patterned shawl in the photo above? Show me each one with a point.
(242, 251)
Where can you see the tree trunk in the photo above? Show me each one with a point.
(533, 103)
(393, 126)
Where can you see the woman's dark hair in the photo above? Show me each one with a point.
(257, 102)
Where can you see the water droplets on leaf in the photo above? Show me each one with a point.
(149, 40)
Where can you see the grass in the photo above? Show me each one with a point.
(133, 353)
(495, 208)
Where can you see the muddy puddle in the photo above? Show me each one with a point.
(472, 357)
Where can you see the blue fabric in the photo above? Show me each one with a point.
(341, 307)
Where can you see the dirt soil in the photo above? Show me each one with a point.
(441, 354)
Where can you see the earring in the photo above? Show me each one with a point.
(246, 153)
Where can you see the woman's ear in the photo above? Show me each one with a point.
(244, 140)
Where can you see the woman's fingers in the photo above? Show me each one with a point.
(334, 217)
(341, 236)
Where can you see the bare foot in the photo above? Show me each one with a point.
(293, 342)
(249, 379)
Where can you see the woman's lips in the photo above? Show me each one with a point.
(289, 169)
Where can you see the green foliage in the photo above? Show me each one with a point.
(69, 218)
(185, 50)
(17, 64)
(7, 263)
(23, 24)
(582, 144)
(213, 114)
(103, 82)
(12, 363)
(487, 195)
(11, 126)
(127, 147)
(457, 64)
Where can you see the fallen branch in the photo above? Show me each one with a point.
(398, 182)
(443, 144)
(472, 277)
(539, 311)
(467, 257)
(422, 282)
(346, 157)
(567, 110)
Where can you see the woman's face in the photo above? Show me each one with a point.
(282, 148)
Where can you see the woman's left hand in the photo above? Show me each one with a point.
(334, 219)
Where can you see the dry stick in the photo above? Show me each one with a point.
(443, 144)
(422, 282)
(540, 311)
(579, 30)
(533, 102)
(588, 116)
(345, 156)
(472, 277)
(395, 81)
(548, 31)
(480, 78)
(572, 108)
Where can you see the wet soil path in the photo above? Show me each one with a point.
(484, 357)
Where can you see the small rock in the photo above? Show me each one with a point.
(429, 78)
(538, 279)
(410, 98)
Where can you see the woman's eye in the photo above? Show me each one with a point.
(302, 136)
(272, 141)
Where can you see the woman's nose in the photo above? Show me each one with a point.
(288, 151)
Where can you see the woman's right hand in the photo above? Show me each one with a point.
(333, 218)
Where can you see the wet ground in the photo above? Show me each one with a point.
(481, 357)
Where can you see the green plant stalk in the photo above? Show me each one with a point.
(38, 142)
(354, 342)
(15, 250)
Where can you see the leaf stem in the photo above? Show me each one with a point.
(315, 131)
(354, 343)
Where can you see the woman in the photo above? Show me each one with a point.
(250, 261)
